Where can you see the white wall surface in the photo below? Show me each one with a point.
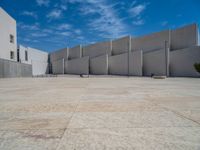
(7, 27)
(38, 59)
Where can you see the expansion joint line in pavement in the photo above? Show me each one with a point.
(177, 113)
(65, 129)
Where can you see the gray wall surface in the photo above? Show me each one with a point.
(182, 61)
(184, 37)
(75, 52)
(77, 66)
(154, 41)
(154, 62)
(121, 45)
(118, 64)
(136, 63)
(58, 66)
(14, 69)
(97, 49)
(99, 65)
(60, 54)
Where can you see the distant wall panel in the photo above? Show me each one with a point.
(121, 45)
(135, 63)
(118, 64)
(97, 49)
(39, 68)
(58, 66)
(60, 54)
(77, 66)
(155, 62)
(184, 37)
(99, 65)
(182, 61)
(151, 42)
(75, 52)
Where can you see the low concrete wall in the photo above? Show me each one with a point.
(135, 63)
(10, 69)
(75, 52)
(60, 54)
(97, 49)
(121, 45)
(155, 62)
(118, 64)
(182, 61)
(77, 66)
(99, 65)
(58, 67)
(154, 41)
(184, 37)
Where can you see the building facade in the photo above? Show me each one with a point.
(8, 38)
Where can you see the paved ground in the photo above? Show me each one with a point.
(70, 113)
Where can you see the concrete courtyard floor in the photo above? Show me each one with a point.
(99, 113)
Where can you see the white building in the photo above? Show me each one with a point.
(37, 58)
(8, 38)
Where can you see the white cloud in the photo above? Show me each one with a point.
(30, 13)
(28, 27)
(54, 14)
(137, 10)
(77, 31)
(43, 2)
(108, 24)
(64, 27)
(138, 22)
(39, 34)
(63, 7)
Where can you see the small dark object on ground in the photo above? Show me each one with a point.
(152, 75)
(159, 77)
(197, 67)
(84, 76)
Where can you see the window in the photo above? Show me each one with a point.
(11, 38)
(26, 55)
(11, 55)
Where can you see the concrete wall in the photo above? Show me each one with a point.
(99, 65)
(10, 69)
(151, 42)
(60, 54)
(75, 52)
(77, 66)
(184, 37)
(155, 62)
(182, 61)
(136, 63)
(97, 49)
(38, 59)
(118, 64)
(7, 28)
(121, 45)
(58, 66)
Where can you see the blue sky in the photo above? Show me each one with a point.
(53, 24)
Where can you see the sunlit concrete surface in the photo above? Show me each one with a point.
(99, 113)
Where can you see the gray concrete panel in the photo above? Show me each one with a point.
(58, 66)
(97, 49)
(1, 68)
(99, 65)
(184, 37)
(60, 54)
(77, 66)
(136, 63)
(118, 64)
(154, 62)
(182, 61)
(154, 41)
(75, 52)
(121, 45)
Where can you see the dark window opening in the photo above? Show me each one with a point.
(11, 55)
(11, 38)
(26, 55)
